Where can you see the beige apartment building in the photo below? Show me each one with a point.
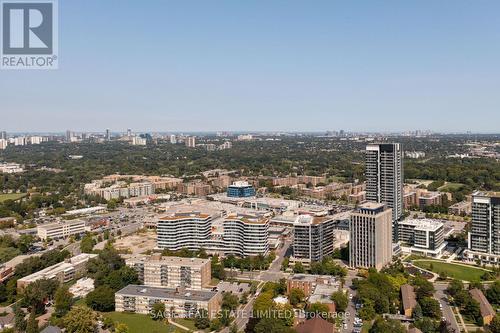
(60, 229)
(172, 272)
(63, 272)
(183, 303)
(370, 230)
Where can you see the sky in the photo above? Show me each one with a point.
(264, 65)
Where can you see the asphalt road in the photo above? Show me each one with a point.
(447, 311)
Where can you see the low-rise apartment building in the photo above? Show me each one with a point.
(61, 229)
(172, 272)
(183, 303)
(422, 236)
(63, 272)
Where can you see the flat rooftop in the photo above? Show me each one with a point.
(422, 224)
(371, 205)
(489, 194)
(184, 215)
(60, 224)
(174, 261)
(311, 220)
(167, 293)
(51, 271)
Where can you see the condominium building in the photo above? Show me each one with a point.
(313, 238)
(63, 272)
(3, 144)
(484, 235)
(189, 230)
(120, 189)
(179, 302)
(172, 272)
(370, 242)
(245, 235)
(240, 189)
(237, 234)
(60, 229)
(190, 141)
(384, 178)
(138, 141)
(422, 236)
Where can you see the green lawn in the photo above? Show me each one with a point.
(450, 187)
(467, 273)
(139, 323)
(11, 196)
(189, 323)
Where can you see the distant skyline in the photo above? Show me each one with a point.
(266, 65)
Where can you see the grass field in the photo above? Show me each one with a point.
(189, 323)
(450, 187)
(139, 323)
(461, 272)
(11, 196)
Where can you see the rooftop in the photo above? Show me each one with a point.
(422, 224)
(489, 194)
(371, 205)
(316, 325)
(484, 305)
(179, 261)
(60, 224)
(185, 215)
(308, 219)
(167, 293)
(408, 296)
(51, 271)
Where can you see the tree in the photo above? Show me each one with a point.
(493, 293)
(296, 296)
(201, 320)
(32, 326)
(19, 319)
(285, 263)
(367, 312)
(63, 300)
(430, 307)
(383, 326)
(454, 287)
(122, 328)
(318, 309)
(473, 311)
(426, 325)
(417, 312)
(158, 311)
(87, 243)
(341, 301)
(423, 287)
(37, 292)
(101, 299)
(281, 287)
(121, 278)
(230, 301)
(233, 329)
(495, 324)
(269, 325)
(298, 268)
(263, 304)
(80, 319)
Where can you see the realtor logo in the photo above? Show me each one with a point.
(29, 34)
